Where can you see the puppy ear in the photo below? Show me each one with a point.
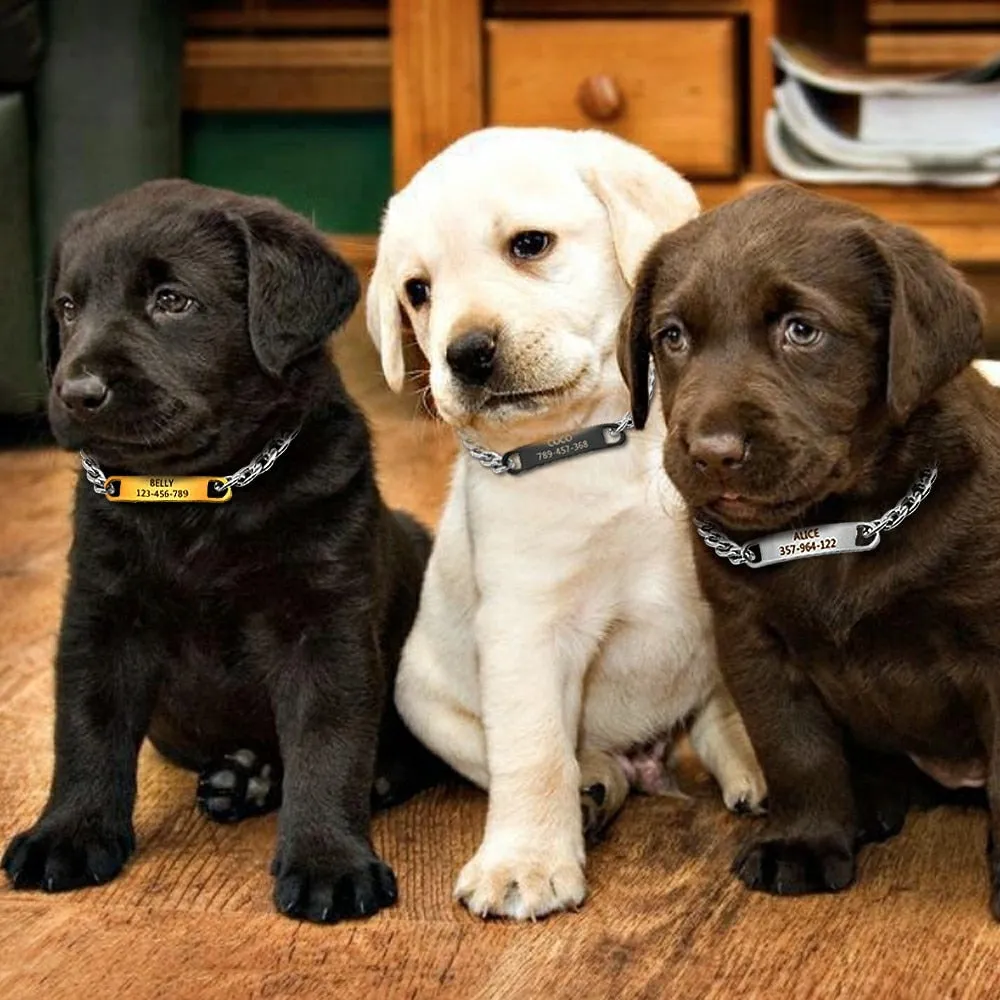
(643, 197)
(634, 343)
(936, 322)
(385, 323)
(298, 290)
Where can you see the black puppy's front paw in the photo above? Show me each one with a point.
(68, 855)
(796, 865)
(327, 894)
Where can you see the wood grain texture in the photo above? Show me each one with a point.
(619, 8)
(761, 26)
(964, 224)
(437, 79)
(918, 50)
(942, 12)
(289, 15)
(301, 74)
(676, 79)
(191, 917)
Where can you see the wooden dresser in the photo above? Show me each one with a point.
(689, 79)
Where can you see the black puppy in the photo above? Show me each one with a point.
(186, 331)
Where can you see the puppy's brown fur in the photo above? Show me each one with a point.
(812, 360)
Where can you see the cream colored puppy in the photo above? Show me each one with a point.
(560, 625)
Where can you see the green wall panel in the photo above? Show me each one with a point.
(334, 169)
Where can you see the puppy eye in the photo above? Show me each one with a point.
(168, 301)
(798, 333)
(673, 336)
(418, 292)
(530, 244)
(66, 309)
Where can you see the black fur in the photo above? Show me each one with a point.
(273, 621)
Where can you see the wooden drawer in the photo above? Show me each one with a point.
(668, 85)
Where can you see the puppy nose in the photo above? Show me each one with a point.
(471, 357)
(84, 395)
(722, 451)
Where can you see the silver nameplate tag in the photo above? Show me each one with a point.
(534, 456)
(804, 543)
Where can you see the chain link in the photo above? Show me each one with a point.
(725, 548)
(273, 450)
(496, 462)
(93, 473)
(721, 544)
(913, 499)
(491, 460)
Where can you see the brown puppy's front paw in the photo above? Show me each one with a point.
(796, 865)
(881, 819)
(72, 854)
(329, 893)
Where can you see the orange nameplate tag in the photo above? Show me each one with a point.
(167, 489)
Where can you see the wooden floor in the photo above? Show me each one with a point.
(191, 916)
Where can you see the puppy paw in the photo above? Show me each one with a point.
(881, 820)
(596, 816)
(238, 786)
(744, 790)
(522, 885)
(604, 787)
(68, 855)
(326, 894)
(796, 865)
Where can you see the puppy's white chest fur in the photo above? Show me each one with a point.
(598, 546)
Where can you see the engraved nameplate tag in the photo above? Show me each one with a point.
(803, 543)
(533, 456)
(167, 489)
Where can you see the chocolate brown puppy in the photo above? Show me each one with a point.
(186, 331)
(813, 364)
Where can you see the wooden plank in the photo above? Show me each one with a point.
(351, 15)
(191, 915)
(882, 12)
(243, 74)
(682, 109)
(619, 9)
(437, 78)
(919, 50)
(761, 27)
(964, 224)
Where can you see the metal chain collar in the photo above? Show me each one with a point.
(273, 450)
(499, 464)
(724, 547)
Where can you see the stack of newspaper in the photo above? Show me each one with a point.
(835, 125)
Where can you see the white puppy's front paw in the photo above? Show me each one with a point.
(743, 788)
(520, 884)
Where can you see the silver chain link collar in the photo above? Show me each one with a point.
(827, 539)
(273, 450)
(512, 461)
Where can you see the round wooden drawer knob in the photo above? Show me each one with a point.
(599, 98)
